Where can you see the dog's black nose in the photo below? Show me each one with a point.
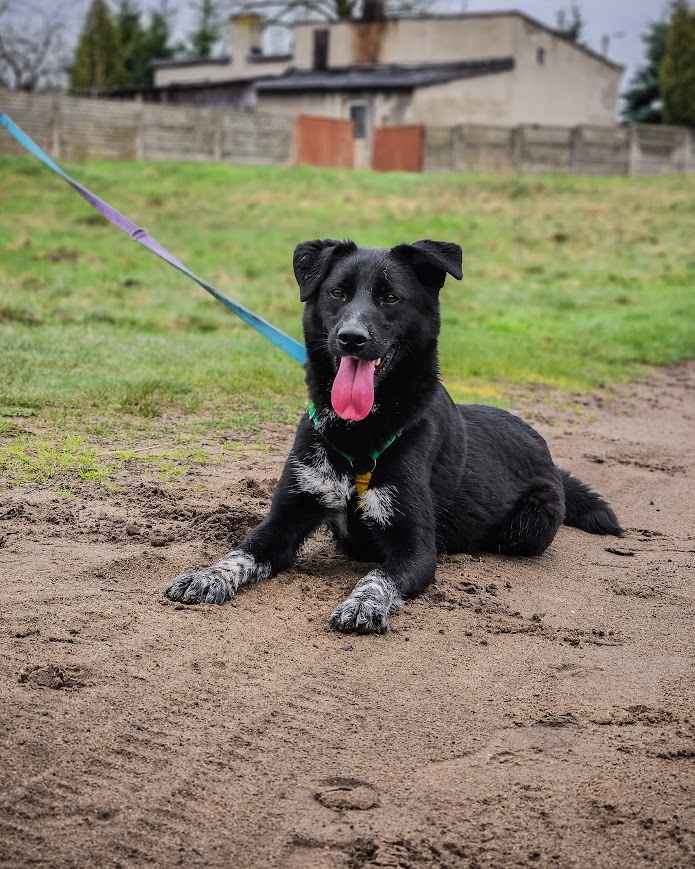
(352, 337)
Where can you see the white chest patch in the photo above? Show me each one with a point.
(379, 504)
(316, 476)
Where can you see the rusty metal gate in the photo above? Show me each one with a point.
(399, 149)
(324, 142)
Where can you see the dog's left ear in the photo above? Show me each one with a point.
(312, 260)
(432, 260)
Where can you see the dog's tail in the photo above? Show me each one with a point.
(586, 509)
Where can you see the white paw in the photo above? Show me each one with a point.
(219, 582)
(367, 609)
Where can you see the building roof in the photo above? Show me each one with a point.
(382, 76)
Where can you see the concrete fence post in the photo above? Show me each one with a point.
(683, 150)
(689, 151)
(140, 129)
(217, 135)
(575, 145)
(634, 151)
(517, 148)
(55, 125)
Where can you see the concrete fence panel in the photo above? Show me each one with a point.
(601, 151)
(76, 128)
(482, 147)
(544, 149)
(660, 150)
(87, 129)
(73, 128)
(438, 145)
(35, 114)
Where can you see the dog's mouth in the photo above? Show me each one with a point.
(352, 395)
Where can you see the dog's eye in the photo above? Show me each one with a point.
(338, 294)
(389, 299)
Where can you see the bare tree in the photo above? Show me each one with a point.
(33, 53)
(287, 11)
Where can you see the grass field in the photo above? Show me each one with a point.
(569, 282)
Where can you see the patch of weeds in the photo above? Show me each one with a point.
(15, 314)
(196, 323)
(169, 464)
(519, 188)
(9, 428)
(33, 283)
(17, 410)
(62, 254)
(92, 220)
(28, 459)
(150, 398)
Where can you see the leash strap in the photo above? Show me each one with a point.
(277, 337)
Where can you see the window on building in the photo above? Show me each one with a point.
(540, 56)
(358, 116)
(321, 49)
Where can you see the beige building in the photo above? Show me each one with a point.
(501, 68)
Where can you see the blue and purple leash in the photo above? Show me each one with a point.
(277, 337)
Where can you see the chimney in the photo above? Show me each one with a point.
(245, 36)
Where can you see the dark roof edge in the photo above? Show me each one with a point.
(500, 13)
(192, 61)
(222, 60)
(330, 81)
(268, 58)
(183, 86)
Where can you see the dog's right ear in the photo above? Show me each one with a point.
(312, 259)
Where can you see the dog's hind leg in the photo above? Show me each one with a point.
(532, 523)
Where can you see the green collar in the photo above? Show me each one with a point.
(361, 478)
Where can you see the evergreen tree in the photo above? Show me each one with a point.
(208, 29)
(677, 76)
(98, 63)
(131, 40)
(156, 43)
(643, 96)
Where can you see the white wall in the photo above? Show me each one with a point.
(571, 87)
(414, 41)
(482, 100)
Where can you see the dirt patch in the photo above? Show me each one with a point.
(524, 712)
(52, 676)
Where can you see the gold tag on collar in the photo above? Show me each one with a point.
(362, 482)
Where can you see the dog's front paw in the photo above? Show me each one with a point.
(367, 609)
(218, 583)
(360, 616)
(200, 586)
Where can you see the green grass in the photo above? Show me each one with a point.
(570, 282)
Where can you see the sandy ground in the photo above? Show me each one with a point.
(523, 713)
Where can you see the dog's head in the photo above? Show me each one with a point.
(368, 311)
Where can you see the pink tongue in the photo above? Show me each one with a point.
(352, 395)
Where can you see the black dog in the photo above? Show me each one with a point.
(384, 457)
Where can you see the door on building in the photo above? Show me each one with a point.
(359, 115)
(399, 149)
(321, 37)
(324, 141)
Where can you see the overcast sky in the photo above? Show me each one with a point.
(623, 21)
